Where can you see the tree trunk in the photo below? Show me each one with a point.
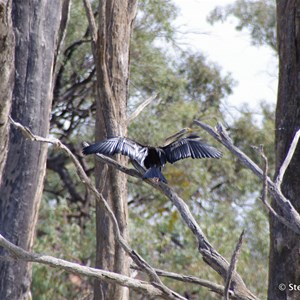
(36, 25)
(7, 52)
(284, 265)
(112, 64)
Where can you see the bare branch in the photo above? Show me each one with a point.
(91, 19)
(210, 255)
(287, 160)
(140, 108)
(291, 218)
(265, 188)
(138, 285)
(265, 179)
(232, 267)
(28, 134)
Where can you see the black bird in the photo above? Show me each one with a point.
(149, 159)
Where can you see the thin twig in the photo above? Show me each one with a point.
(91, 20)
(233, 265)
(264, 195)
(140, 108)
(265, 179)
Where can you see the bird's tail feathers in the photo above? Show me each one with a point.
(155, 172)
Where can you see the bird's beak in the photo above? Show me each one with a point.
(178, 134)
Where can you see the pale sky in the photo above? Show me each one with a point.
(255, 68)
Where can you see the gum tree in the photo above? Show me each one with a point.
(38, 28)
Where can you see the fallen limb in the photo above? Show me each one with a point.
(138, 285)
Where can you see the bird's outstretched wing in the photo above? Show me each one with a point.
(191, 146)
(116, 145)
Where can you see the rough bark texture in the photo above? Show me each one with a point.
(112, 64)
(7, 52)
(36, 25)
(284, 265)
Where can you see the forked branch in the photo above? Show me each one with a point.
(290, 216)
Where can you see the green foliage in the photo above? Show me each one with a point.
(154, 20)
(60, 235)
(150, 67)
(257, 16)
(203, 80)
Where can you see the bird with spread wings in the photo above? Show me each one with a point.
(149, 160)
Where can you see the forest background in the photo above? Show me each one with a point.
(189, 86)
(185, 85)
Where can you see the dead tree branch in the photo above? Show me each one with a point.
(214, 287)
(290, 216)
(209, 254)
(232, 267)
(287, 160)
(265, 188)
(140, 108)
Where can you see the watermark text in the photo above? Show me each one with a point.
(290, 287)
